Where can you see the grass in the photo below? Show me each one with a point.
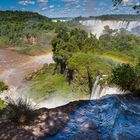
(48, 84)
(2, 105)
(19, 111)
(45, 84)
(31, 50)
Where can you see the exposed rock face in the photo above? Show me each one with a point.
(110, 118)
(29, 39)
(46, 122)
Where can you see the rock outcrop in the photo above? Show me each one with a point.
(45, 123)
(110, 118)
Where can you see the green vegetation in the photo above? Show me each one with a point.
(135, 5)
(121, 17)
(127, 77)
(20, 111)
(3, 86)
(47, 84)
(122, 45)
(27, 32)
(79, 59)
(2, 105)
(15, 26)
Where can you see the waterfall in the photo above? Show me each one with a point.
(99, 91)
(96, 89)
(96, 26)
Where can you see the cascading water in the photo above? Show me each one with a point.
(96, 88)
(96, 26)
(99, 91)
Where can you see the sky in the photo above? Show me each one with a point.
(69, 8)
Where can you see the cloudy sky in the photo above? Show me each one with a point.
(68, 8)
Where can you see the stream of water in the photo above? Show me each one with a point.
(99, 91)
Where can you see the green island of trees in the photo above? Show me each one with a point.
(80, 58)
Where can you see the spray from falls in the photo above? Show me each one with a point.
(99, 91)
(96, 26)
(96, 88)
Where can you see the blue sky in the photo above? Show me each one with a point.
(68, 8)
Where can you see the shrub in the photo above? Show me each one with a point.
(20, 111)
(126, 77)
(3, 86)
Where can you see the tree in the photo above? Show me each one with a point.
(108, 33)
(135, 5)
(126, 77)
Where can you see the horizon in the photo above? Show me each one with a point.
(132, 14)
(68, 8)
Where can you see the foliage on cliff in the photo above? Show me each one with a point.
(2, 106)
(3, 86)
(80, 58)
(16, 26)
(127, 77)
(27, 32)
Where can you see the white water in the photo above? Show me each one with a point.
(96, 27)
(99, 91)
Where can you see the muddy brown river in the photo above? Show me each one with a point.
(14, 66)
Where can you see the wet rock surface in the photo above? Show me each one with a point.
(111, 118)
(46, 122)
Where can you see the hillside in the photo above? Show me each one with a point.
(27, 32)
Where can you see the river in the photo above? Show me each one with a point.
(14, 66)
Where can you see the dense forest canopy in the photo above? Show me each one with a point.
(27, 32)
(14, 25)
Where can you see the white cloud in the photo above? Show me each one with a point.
(70, 0)
(42, 1)
(44, 8)
(51, 6)
(26, 2)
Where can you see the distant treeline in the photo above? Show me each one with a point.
(112, 17)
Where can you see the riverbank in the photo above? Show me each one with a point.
(14, 66)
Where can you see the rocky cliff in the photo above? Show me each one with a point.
(110, 118)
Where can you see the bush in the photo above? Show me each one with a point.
(126, 77)
(3, 86)
(20, 111)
